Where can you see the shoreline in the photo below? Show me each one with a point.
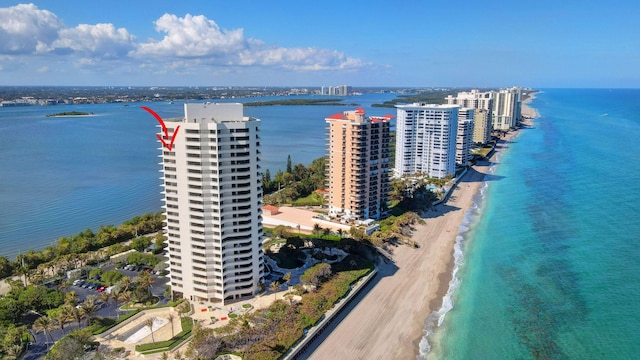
(389, 321)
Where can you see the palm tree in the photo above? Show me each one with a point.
(44, 324)
(145, 280)
(170, 317)
(14, 350)
(89, 310)
(124, 284)
(274, 287)
(76, 315)
(61, 319)
(70, 298)
(67, 310)
(105, 297)
(149, 323)
(317, 229)
(287, 278)
(124, 296)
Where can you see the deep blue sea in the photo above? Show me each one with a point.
(549, 258)
(61, 176)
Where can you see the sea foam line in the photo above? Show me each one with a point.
(436, 318)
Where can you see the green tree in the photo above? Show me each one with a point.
(46, 325)
(95, 273)
(112, 277)
(316, 274)
(204, 345)
(89, 310)
(149, 323)
(287, 278)
(144, 282)
(274, 287)
(170, 317)
(61, 318)
(140, 243)
(289, 168)
(159, 242)
(72, 346)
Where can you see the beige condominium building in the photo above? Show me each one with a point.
(358, 164)
(506, 108)
(212, 200)
(482, 103)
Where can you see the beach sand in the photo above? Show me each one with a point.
(388, 322)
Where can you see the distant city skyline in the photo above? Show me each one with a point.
(243, 43)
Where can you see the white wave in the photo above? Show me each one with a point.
(436, 318)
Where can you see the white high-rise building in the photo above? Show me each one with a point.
(426, 139)
(464, 139)
(213, 197)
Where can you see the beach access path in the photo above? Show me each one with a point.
(388, 322)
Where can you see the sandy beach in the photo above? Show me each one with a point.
(388, 322)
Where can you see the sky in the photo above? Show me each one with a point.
(419, 43)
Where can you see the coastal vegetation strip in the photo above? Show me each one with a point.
(70, 113)
(75, 250)
(329, 101)
(269, 333)
(434, 96)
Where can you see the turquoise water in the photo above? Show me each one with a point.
(549, 259)
(61, 176)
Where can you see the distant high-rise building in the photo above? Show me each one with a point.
(213, 196)
(358, 164)
(464, 139)
(340, 90)
(426, 139)
(482, 102)
(506, 108)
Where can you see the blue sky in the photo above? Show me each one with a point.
(424, 43)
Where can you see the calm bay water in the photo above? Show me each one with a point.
(63, 175)
(551, 258)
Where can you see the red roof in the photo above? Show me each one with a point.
(270, 208)
(336, 117)
(359, 111)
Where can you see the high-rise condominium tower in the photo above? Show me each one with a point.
(358, 165)
(212, 194)
(464, 138)
(506, 108)
(482, 103)
(426, 139)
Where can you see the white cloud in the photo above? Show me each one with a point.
(192, 37)
(188, 45)
(24, 27)
(100, 40)
(196, 37)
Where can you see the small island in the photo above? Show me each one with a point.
(70, 113)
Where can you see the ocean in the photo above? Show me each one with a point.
(61, 176)
(548, 259)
